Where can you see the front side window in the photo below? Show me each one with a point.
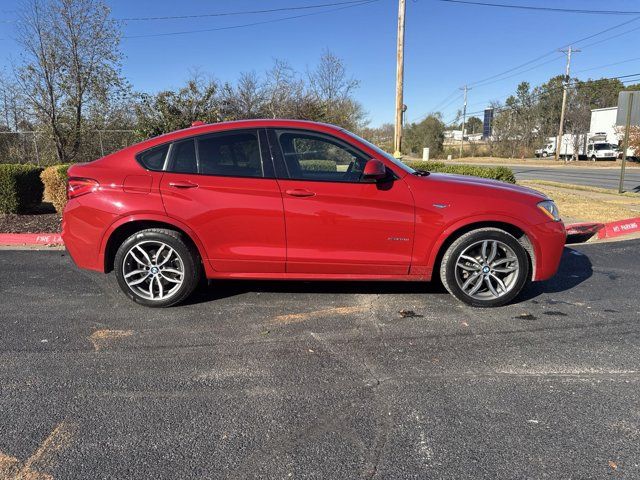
(230, 154)
(309, 156)
(381, 152)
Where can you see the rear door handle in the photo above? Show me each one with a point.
(183, 185)
(299, 192)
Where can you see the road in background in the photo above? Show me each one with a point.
(320, 380)
(591, 177)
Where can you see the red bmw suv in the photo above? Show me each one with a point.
(284, 199)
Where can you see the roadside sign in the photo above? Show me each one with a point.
(487, 124)
(623, 108)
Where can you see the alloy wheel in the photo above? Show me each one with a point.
(153, 270)
(487, 269)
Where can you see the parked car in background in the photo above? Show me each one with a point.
(283, 199)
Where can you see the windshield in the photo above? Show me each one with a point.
(603, 146)
(381, 152)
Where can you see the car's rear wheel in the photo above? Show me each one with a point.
(157, 267)
(487, 267)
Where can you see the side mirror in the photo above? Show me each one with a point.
(374, 170)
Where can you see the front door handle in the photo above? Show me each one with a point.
(183, 185)
(299, 192)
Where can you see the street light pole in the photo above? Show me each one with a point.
(397, 142)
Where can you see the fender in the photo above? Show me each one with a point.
(461, 223)
(153, 217)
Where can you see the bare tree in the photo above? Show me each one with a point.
(332, 88)
(282, 89)
(70, 60)
(245, 100)
(578, 119)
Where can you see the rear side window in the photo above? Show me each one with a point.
(184, 157)
(230, 154)
(153, 159)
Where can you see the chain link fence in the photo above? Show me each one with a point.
(39, 148)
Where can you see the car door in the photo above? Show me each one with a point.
(336, 222)
(219, 185)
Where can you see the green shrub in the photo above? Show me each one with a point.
(318, 165)
(20, 188)
(429, 166)
(55, 185)
(503, 174)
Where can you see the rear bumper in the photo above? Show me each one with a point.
(82, 232)
(549, 240)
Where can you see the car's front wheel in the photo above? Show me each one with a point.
(157, 267)
(487, 267)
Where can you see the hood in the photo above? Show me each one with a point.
(485, 183)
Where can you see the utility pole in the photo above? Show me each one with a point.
(625, 145)
(397, 141)
(464, 117)
(564, 99)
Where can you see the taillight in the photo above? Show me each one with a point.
(81, 186)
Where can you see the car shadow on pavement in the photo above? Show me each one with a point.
(575, 268)
(216, 290)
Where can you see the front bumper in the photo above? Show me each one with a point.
(549, 241)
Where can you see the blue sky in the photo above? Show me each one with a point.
(447, 45)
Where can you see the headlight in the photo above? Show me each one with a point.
(550, 209)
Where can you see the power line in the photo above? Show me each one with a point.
(535, 67)
(546, 9)
(609, 38)
(485, 81)
(608, 65)
(245, 25)
(446, 99)
(246, 12)
(439, 106)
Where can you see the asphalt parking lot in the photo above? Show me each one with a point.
(320, 380)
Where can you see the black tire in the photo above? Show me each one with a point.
(188, 256)
(450, 259)
(593, 158)
(545, 154)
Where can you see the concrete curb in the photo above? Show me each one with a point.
(37, 239)
(619, 228)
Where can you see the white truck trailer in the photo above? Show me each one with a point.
(571, 146)
(582, 147)
(603, 122)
